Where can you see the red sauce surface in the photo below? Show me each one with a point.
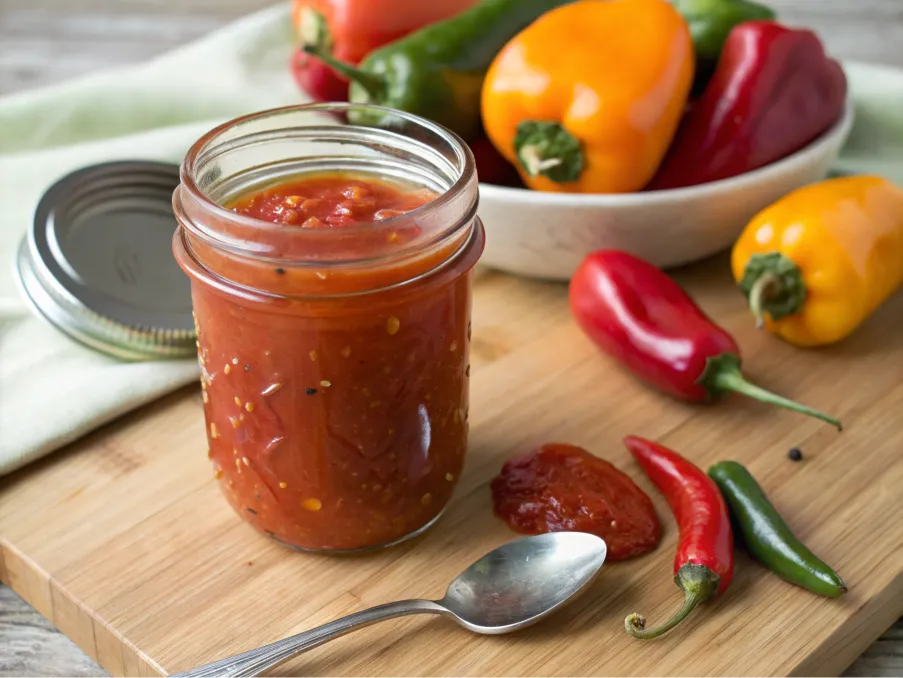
(561, 487)
(340, 422)
(331, 201)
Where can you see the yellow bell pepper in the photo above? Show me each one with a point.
(588, 97)
(818, 262)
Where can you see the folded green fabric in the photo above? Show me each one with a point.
(875, 145)
(53, 389)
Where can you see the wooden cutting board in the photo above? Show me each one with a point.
(124, 542)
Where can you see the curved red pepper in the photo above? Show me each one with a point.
(317, 79)
(774, 91)
(641, 317)
(704, 565)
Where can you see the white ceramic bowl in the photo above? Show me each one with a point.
(546, 235)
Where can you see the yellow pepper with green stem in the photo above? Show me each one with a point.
(818, 262)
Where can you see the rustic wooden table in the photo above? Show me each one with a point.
(46, 41)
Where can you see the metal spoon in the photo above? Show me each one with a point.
(508, 589)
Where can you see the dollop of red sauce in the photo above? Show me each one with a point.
(561, 487)
(331, 201)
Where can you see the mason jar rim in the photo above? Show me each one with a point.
(466, 169)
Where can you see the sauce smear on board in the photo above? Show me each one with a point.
(561, 487)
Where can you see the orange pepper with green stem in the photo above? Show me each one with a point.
(588, 97)
(818, 262)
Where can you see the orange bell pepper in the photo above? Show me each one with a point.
(588, 97)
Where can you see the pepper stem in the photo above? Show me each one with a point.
(372, 84)
(546, 148)
(698, 582)
(534, 163)
(722, 373)
(758, 293)
(313, 30)
(774, 285)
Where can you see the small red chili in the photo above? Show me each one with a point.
(642, 318)
(704, 565)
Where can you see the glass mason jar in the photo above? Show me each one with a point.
(334, 362)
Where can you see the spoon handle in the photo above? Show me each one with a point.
(252, 662)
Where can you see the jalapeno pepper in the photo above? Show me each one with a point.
(438, 71)
(704, 565)
(641, 317)
(351, 29)
(767, 536)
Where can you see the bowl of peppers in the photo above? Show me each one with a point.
(588, 132)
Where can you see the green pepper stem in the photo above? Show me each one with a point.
(723, 374)
(546, 148)
(698, 582)
(374, 85)
(635, 624)
(758, 293)
(534, 163)
(774, 284)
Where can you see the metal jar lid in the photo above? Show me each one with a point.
(98, 261)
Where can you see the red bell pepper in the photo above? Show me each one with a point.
(704, 564)
(642, 318)
(492, 168)
(773, 92)
(351, 29)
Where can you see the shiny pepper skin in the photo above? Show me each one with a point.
(817, 263)
(588, 97)
(350, 29)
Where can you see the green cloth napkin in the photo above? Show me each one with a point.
(53, 390)
(875, 146)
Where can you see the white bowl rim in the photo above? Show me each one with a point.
(814, 148)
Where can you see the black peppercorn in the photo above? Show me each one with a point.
(795, 454)
(280, 271)
(311, 391)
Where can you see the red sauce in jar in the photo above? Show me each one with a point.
(335, 423)
(333, 200)
(565, 488)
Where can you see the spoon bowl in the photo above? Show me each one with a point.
(521, 582)
(510, 588)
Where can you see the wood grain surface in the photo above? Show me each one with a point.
(46, 41)
(125, 543)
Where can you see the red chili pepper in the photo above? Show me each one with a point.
(704, 564)
(773, 92)
(351, 29)
(642, 318)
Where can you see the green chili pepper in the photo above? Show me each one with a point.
(438, 71)
(710, 21)
(767, 536)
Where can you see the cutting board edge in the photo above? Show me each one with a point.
(832, 657)
(119, 657)
(40, 590)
